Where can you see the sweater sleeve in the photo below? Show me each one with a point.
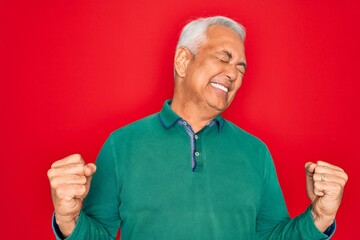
(273, 220)
(99, 217)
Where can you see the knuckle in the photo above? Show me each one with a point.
(81, 189)
(82, 179)
(75, 167)
(55, 163)
(77, 157)
(50, 173)
(342, 182)
(54, 183)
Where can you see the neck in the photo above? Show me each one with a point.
(193, 114)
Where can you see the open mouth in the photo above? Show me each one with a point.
(219, 86)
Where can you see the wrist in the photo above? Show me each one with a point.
(321, 221)
(66, 224)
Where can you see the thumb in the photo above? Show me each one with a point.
(310, 170)
(89, 170)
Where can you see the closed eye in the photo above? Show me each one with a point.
(224, 56)
(224, 59)
(241, 67)
(241, 70)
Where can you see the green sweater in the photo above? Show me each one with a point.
(156, 179)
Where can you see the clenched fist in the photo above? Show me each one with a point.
(70, 183)
(325, 186)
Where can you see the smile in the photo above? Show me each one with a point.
(219, 86)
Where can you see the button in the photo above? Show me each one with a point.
(197, 154)
(196, 136)
(184, 123)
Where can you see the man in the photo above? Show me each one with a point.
(185, 172)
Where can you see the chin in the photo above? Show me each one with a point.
(218, 104)
(219, 107)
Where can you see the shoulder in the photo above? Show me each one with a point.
(140, 126)
(234, 131)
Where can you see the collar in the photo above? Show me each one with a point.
(168, 118)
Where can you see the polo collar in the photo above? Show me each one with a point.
(168, 118)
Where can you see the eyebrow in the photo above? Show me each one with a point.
(227, 53)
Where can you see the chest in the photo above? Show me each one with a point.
(162, 181)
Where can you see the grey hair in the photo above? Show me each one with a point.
(194, 33)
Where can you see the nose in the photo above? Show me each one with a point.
(231, 72)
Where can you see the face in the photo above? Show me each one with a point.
(213, 76)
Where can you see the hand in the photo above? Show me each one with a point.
(70, 183)
(325, 185)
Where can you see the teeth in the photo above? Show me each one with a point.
(219, 86)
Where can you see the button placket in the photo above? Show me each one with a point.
(198, 154)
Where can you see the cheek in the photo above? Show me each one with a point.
(200, 71)
(210, 68)
(200, 75)
(238, 84)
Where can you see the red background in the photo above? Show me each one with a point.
(73, 71)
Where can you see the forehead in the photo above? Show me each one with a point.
(221, 37)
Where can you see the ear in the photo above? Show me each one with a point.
(181, 61)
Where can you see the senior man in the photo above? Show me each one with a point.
(187, 173)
